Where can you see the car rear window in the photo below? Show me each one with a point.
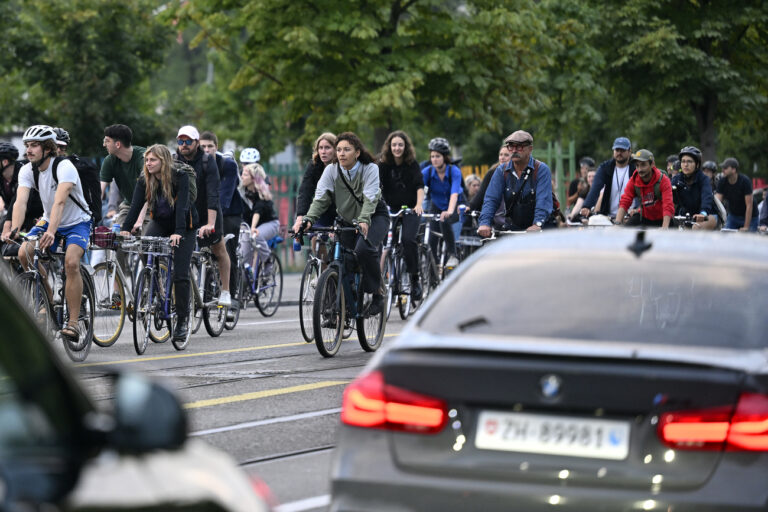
(607, 298)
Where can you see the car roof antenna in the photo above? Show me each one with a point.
(639, 246)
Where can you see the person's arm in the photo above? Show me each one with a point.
(594, 191)
(323, 194)
(493, 197)
(705, 207)
(181, 205)
(371, 195)
(59, 199)
(419, 209)
(748, 212)
(667, 203)
(476, 204)
(20, 207)
(137, 205)
(212, 187)
(229, 183)
(544, 204)
(620, 215)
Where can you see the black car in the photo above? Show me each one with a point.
(582, 370)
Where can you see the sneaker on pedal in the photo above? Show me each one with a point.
(377, 305)
(452, 262)
(225, 300)
(416, 291)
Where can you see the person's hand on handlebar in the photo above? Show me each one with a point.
(297, 224)
(46, 240)
(418, 210)
(484, 231)
(175, 240)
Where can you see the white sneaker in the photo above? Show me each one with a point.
(452, 262)
(225, 299)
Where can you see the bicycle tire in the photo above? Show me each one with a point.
(196, 313)
(307, 289)
(143, 311)
(388, 279)
(78, 351)
(214, 316)
(160, 329)
(237, 302)
(403, 288)
(270, 287)
(328, 313)
(181, 343)
(370, 329)
(37, 302)
(111, 304)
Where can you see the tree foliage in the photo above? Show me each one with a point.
(82, 65)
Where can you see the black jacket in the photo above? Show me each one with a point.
(183, 216)
(312, 174)
(208, 183)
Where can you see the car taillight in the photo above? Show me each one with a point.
(744, 427)
(370, 402)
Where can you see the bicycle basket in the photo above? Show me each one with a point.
(155, 245)
(103, 237)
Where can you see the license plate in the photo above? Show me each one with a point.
(553, 435)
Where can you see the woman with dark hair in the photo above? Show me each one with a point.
(164, 185)
(323, 154)
(402, 185)
(352, 184)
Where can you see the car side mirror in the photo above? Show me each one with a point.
(147, 416)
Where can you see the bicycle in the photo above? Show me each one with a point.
(155, 308)
(309, 278)
(112, 289)
(429, 272)
(43, 287)
(206, 288)
(265, 287)
(398, 281)
(339, 296)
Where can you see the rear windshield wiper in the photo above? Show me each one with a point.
(472, 322)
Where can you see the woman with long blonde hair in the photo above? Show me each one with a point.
(258, 212)
(164, 185)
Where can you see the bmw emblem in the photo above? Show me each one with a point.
(550, 386)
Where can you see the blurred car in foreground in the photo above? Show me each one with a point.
(594, 370)
(58, 451)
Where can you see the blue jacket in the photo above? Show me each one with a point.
(693, 198)
(504, 182)
(231, 204)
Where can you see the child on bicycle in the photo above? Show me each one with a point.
(164, 184)
(352, 183)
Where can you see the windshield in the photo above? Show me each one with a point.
(607, 298)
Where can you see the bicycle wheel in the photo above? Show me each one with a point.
(388, 280)
(196, 313)
(214, 316)
(307, 298)
(33, 297)
(403, 288)
(181, 344)
(270, 286)
(370, 329)
(160, 329)
(427, 273)
(78, 350)
(110, 296)
(233, 315)
(143, 310)
(328, 313)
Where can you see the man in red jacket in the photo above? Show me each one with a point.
(654, 191)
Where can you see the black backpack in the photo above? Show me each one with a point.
(89, 179)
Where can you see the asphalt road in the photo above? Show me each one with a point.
(259, 392)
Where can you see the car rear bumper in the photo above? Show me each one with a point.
(364, 477)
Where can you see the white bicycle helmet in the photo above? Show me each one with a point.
(250, 156)
(39, 132)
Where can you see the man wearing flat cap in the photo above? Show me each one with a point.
(520, 192)
(612, 175)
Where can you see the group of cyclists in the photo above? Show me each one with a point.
(197, 196)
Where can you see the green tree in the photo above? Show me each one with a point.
(82, 65)
(378, 64)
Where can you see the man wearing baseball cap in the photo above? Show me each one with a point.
(207, 202)
(522, 186)
(654, 191)
(612, 174)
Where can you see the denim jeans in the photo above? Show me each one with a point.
(736, 222)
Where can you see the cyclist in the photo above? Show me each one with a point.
(323, 155)
(352, 183)
(123, 164)
(10, 166)
(444, 184)
(164, 188)
(62, 141)
(207, 202)
(709, 168)
(259, 213)
(737, 189)
(62, 217)
(402, 185)
(692, 190)
(654, 190)
(611, 179)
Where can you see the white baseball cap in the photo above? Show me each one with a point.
(190, 131)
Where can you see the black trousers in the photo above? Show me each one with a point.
(446, 228)
(232, 226)
(368, 249)
(410, 227)
(182, 258)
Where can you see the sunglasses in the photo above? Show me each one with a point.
(184, 142)
(521, 145)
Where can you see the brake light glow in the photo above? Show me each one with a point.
(743, 428)
(370, 402)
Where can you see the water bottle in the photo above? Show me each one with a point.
(297, 244)
(115, 228)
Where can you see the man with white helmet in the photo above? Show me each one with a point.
(65, 213)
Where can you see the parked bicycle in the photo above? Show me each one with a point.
(339, 296)
(42, 288)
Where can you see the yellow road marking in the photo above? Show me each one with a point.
(263, 394)
(198, 354)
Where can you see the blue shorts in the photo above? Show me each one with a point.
(78, 234)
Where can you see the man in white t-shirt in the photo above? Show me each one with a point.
(62, 217)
